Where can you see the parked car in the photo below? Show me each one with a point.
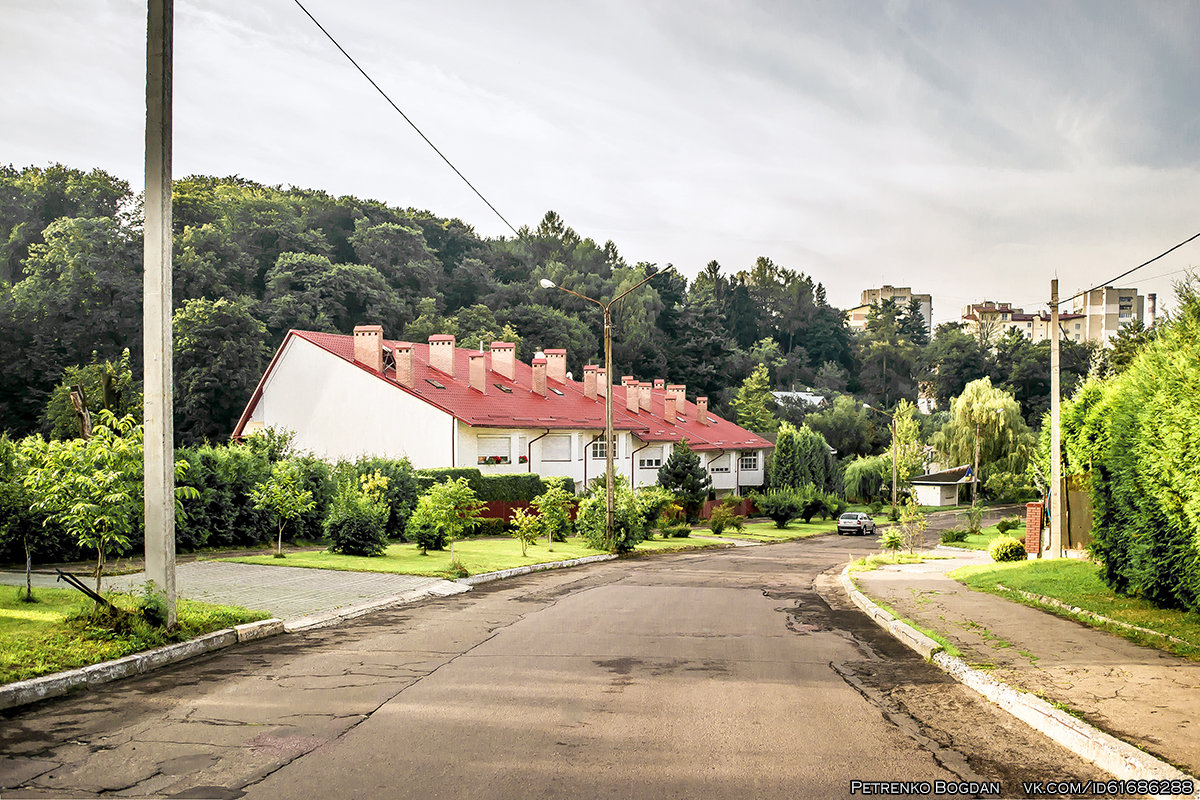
(854, 522)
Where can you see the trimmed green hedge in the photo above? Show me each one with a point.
(515, 488)
(1135, 437)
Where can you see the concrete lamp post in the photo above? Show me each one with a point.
(895, 472)
(609, 443)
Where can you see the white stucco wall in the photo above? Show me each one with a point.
(936, 495)
(341, 411)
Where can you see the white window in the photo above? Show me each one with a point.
(556, 447)
(522, 449)
(598, 450)
(748, 460)
(650, 458)
(720, 464)
(494, 450)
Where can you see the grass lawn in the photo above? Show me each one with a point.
(1077, 583)
(767, 532)
(41, 638)
(877, 560)
(981, 540)
(484, 554)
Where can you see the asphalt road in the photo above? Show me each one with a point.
(721, 674)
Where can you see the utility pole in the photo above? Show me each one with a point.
(1056, 506)
(159, 445)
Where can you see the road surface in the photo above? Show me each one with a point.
(714, 674)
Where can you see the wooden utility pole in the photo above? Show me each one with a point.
(159, 449)
(1056, 505)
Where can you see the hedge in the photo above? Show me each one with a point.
(1135, 436)
(514, 488)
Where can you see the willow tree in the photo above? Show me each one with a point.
(986, 430)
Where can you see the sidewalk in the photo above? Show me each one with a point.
(1143, 696)
(285, 592)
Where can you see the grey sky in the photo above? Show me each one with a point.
(970, 150)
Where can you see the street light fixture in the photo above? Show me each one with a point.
(892, 417)
(609, 443)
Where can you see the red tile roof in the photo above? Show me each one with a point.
(514, 404)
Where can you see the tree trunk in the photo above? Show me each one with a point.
(279, 541)
(28, 572)
(99, 566)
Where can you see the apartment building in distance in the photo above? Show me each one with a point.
(856, 318)
(993, 320)
(1106, 310)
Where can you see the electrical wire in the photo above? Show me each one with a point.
(412, 124)
(1111, 281)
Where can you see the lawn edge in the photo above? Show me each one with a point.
(32, 690)
(1117, 757)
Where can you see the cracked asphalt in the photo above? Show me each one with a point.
(724, 674)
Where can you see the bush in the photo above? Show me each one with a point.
(652, 501)
(954, 535)
(780, 505)
(514, 488)
(629, 525)
(1008, 524)
(357, 522)
(721, 519)
(402, 489)
(675, 530)
(891, 539)
(974, 518)
(875, 507)
(1006, 548)
(490, 526)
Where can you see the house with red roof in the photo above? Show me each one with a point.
(444, 406)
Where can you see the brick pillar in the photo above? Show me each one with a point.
(1033, 529)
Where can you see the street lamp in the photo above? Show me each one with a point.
(892, 417)
(609, 443)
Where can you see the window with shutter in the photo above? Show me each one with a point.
(556, 447)
(494, 450)
(650, 458)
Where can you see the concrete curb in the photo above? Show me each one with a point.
(488, 577)
(30, 691)
(1120, 759)
(325, 619)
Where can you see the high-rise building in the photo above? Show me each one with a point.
(1107, 310)
(856, 318)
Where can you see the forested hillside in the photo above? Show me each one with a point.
(253, 261)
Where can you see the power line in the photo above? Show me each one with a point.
(350, 58)
(1111, 281)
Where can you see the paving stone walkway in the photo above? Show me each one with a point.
(284, 592)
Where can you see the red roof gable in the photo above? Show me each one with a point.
(514, 404)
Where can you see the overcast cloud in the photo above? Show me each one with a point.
(969, 150)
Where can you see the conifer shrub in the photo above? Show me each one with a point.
(1007, 548)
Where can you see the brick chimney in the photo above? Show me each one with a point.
(441, 353)
(632, 393)
(627, 379)
(702, 410)
(404, 364)
(601, 382)
(503, 356)
(477, 371)
(669, 409)
(368, 346)
(539, 376)
(659, 383)
(589, 381)
(677, 389)
(644, 396)
(556, 365)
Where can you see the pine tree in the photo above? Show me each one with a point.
(783, 462)
(754, 401)
(683, 474)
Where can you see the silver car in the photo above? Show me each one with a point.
(854, 522)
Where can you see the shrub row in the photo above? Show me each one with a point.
(514, 488)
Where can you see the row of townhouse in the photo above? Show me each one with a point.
(443, 406)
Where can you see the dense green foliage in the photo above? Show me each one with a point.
(684, 476)
(1007, 548)
(629, 519)
(1134, 439)
(357, 521)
